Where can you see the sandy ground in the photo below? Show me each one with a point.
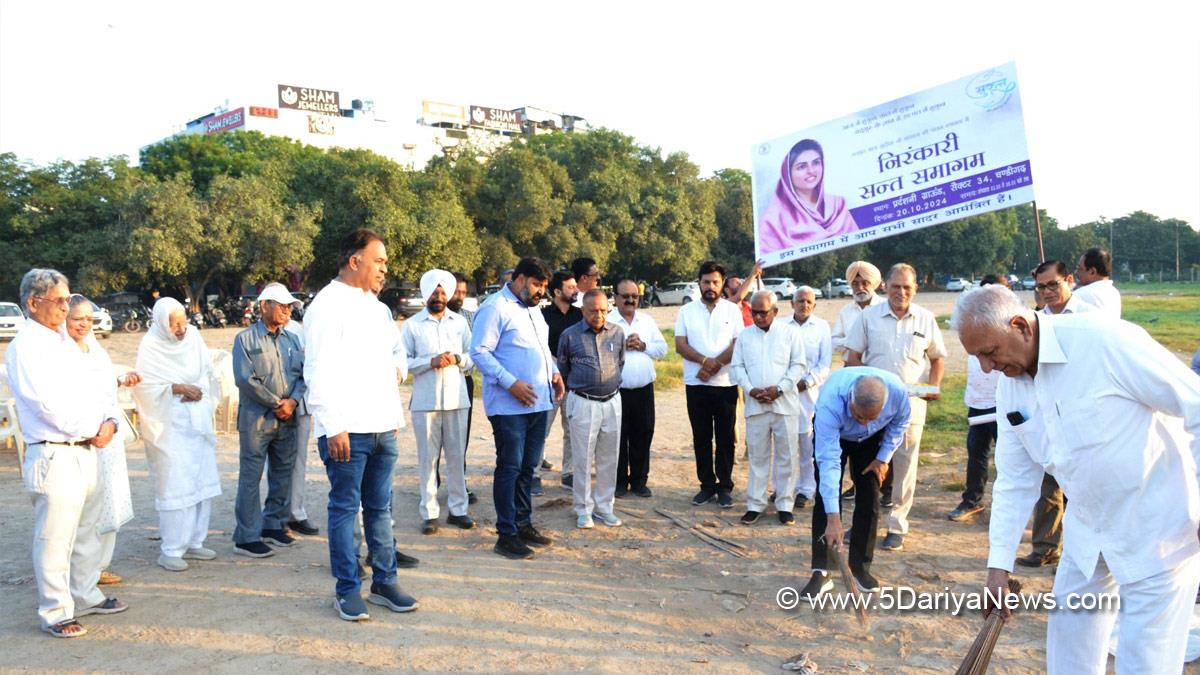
(648, 596)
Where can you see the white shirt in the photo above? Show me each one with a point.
(1103, 416)
(818, 352)
(709, 333)
(1074, 305)
(847, 317)
(44, 367)
(639, 365)
(353, 359)
(770, 358)
(1102, 295)
(981, 387)
(425, 337)
(903, 346)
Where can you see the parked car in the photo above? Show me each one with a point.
(1028, 283)
(678, 293)
(784, 288)
(12, 319)
(102, 322)
(403, 301)
(839, 288)
(956, 284)
(1013, 282)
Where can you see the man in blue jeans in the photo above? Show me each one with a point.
(521, 384)
(350, 339)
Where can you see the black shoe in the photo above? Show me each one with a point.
(703, 497)
(390, 596)
(819, 584)
(724, 500)
(405, 561)
(964, 511)
(1039, 559)
(471, 498)
(568, 481)
(536, 489)
(643, 492)
(894, 541)
(350, 607)
(277, 538)
(511, 546)
(530, 535)
(303, 527)
(620, 492)
(429, 526)
(802, 502)
(547, 465)
(865, 582)
(750, 517)
(462, 522)
(886, 502)
(253, 549)
(848, 494)
(786, 517)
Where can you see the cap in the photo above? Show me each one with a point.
(278, 293)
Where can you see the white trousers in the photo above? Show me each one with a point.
(560, 411)
(595, 442)
(771, 441)
(441, 432)
(904, 463)
(806, 479)
(300, 467)
(182, 529)
(1154, 621)
(108, 545)
(66, 545)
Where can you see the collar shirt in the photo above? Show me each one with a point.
(1115, 418)
(266, 369)
(1102, 295)
(44, 368)
(297, 331)
(710, 333)
(770, 358)
(639, 365)
(591, 361)
(981, 387)
(834, 422)
(903, 346)
(353, 363)
(425, 337)
(511, 342)
(1074, 306)
(818, 352)
(557, 321)
(847, 317)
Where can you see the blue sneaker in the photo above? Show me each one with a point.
(350, 607)
(390, 596)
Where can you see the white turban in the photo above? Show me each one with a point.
(434, 278)
(869, 272)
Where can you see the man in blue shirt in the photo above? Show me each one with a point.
(863, 413)
(510, 347)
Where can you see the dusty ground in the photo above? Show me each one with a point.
(648, 596)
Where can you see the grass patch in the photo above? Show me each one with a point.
(946, 418)
(1129, 289)
(669, 369)
(1172, 320)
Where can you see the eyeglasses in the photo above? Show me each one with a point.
(61, 302)
(1049, 286)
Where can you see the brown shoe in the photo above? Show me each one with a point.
(1036, 559)
(107, 578)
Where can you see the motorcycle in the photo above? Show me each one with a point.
(216, 317)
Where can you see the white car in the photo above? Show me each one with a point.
(784, 288)
(678, 293)
(956, 284)
(101, 321)
(12, 319)
(839, 288)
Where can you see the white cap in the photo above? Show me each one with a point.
(277, 292)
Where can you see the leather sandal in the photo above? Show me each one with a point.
(60, 629)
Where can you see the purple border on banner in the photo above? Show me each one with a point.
(936, 197)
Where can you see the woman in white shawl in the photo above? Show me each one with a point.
(112, 473)
(175, 403)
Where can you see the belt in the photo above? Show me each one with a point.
(598, 399)
(81, 443)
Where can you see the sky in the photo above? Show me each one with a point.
(1111, 92)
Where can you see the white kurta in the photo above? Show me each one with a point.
(112, 473)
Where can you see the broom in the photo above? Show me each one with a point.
(851, 587)
(976, 661)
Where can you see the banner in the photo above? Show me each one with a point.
(450, 113)
(496, 118)
(225, 121)
(932, 157)
(322, 101)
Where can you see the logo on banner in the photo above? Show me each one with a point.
(990, 90)
(324, 101)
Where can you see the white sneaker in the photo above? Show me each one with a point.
(608, 519)
(200, 553)
(584, 522)
(172, 563)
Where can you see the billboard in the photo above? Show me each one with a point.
(446, 113)
(225, 121)
(322, 101)
(942, 154)
(496, 118)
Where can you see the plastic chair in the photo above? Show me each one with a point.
(10, 427)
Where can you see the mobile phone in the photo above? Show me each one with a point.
(1015, 418)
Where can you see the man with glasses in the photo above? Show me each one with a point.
(644, 344)
(586, 275)
(1092, 283)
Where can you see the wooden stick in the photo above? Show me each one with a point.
(859, 602)
(706, 537)
(684, 524)
(980, 653)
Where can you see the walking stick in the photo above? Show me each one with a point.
(976, 661)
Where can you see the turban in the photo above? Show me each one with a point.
(867, 270)
(434, 278)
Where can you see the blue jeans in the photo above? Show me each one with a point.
(365, 478)
(279, 444)
(519, 443)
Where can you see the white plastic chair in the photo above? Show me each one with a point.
(226, 391)
(10, 427)
(126, 402)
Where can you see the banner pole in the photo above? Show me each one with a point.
(1037, 223)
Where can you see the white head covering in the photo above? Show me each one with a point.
(162, 361)
(434, 278)
(279, 293)
(869, 272)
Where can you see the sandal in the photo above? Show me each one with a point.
(109, 606)
(107, 578)
(62, 629)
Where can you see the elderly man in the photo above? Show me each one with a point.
(768, 361)
(521, 384)
(64, 429)
(436, 344)
(902, 338)
(1131, 522)
(862, 414)
(591, 355)
(1093, 285)
(644, 344)
(561, 314)
(818, 354)
(705, 332)
(352, 364)
(268, 368)
(864, 278)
